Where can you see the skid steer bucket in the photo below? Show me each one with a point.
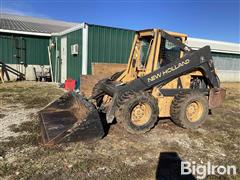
(70, 118)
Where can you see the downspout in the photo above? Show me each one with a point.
(85, 49)
(56, 61)
(50, 62)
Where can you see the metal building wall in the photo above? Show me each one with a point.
(21, 48)
(36, 50)
(6, 49)
(228, 66)
(108, 45)
(224, 61)
(74, 62)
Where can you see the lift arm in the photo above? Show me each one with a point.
(198, 60)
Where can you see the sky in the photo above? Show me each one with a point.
(208, 19)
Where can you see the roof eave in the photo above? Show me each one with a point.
(216, 46)
(25, 32)
(74, 28)
(219, 50)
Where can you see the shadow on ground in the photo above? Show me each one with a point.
(169, 167)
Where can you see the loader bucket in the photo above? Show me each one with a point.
(70, 118)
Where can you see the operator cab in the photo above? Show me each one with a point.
(147, 44)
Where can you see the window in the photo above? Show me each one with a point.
(169, 52)
(145, 48)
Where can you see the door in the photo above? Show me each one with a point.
(63, 59)
(19, 51)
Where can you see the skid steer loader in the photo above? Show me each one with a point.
(164, 78)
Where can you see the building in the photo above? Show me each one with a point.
(75, 49)
(24, 41)
(70, 49)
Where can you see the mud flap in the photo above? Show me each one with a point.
(216, 97)
(70, 118)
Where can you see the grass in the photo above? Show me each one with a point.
(29, 136)
(28, 126)
(31, 96)
(119, 154)
(2, 116)
(6, 168)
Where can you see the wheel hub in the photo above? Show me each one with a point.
(194, 111)
(141, 114)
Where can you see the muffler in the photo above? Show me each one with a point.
(70, 118)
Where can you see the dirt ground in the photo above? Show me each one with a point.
(119, 155)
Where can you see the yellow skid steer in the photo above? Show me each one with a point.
(164, 78)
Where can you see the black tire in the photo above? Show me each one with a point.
(127, 102)
(116, 75)
(97, 87)
(97, 90)
(179, 107)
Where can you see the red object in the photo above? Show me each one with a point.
(70, 84)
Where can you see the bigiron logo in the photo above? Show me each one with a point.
(201, 171)
(168, 70)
